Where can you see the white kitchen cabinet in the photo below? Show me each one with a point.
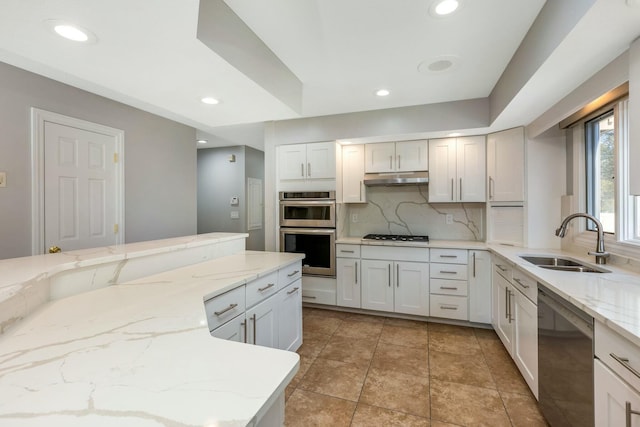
(395, 279)
(411, 288)
(525, 339)
(307, 161)
(502, 319)
(449, 284)
(616, 403)
(402, 156)
(353, 189)
(290, 316)
(233, 330)
(480, 287)
(262, 323)
(377, 285)
(457, 170)
(505, 165)
(348, 282)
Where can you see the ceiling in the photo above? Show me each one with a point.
(154, 55)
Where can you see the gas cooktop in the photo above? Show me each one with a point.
(396, 237)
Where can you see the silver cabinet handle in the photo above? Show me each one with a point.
(451, 188)
(511, 294)
(628, 412)
(398, 161)
(308, 169)
(460, 195)
(270, 285)
(356, 270)
(519, 282)
(448, 256)
(244, 326)
(397, 275)
(506, 303)
(361, 182)
(625, 362)
(491, 184)
(347, 252)
(307, 296)
(501, 267)
(448, 272)
(389, 267)
(220, 313)
(293, 290)
(449, 288)
(302, 170)
(474, 264)
(390, 162)
(293, 273)
(255, 329)
(448, 307)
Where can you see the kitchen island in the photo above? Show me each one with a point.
(139, 352)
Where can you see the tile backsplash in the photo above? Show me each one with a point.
(405, 210)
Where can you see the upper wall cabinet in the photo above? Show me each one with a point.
(404, 156)
(353, 189)
(307, 161)
(505, 165)
(457, 170)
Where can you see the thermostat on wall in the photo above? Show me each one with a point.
(234, 201)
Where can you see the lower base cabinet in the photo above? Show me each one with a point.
(289, 315)
(616, 403)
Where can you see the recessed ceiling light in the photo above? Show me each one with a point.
(71, 31)
(382, 92)
(438, 65)
(202, 141)
(209, 100)
(442, 8)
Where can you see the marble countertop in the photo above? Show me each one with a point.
(453, 244)
(140, 354)
(612, 298)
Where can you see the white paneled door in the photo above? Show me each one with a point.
(79, 187)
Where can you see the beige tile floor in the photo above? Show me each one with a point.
(360, 370)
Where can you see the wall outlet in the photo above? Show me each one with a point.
(448, 218)
(354, 217)
(3, 179)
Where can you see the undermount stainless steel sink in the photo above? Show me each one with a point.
(562, 264)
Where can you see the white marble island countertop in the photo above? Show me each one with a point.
(140, 354)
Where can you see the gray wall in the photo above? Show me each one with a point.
(218, 181)
(160, 160)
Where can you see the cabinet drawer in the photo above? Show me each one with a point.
(347, 251)
(612, 348)
(395, 253)
(449, 307)
(449, 256)
(233, 330)
(526, 284)
(449, 271)
(503, 268)
(289, 274)
(319, 296)
(225, 307)
(262, 288)
(448, 287)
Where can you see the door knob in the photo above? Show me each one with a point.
(54, 249)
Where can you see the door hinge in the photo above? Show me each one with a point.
(116, 228)
(115, 157)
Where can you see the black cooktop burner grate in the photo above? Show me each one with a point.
(397, 237)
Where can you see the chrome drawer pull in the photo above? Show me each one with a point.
(244, 325)
(448, 307)
(270, 285)
(293, 290)
(449, 288)
(625, 362)
(519, 282)
(347, 252)
(628, 412)
(448, 272)
(501, 267)
(304, 296)
(448, 256)
(293, 273)
(220, 313)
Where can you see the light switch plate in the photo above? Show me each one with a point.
(235, 215)
(3, 179)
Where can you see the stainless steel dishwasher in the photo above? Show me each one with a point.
(565, 361)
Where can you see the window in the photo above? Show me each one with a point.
(600, 153)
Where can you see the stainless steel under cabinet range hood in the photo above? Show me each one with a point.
(398, 178)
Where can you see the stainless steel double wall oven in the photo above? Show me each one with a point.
(308, 225)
